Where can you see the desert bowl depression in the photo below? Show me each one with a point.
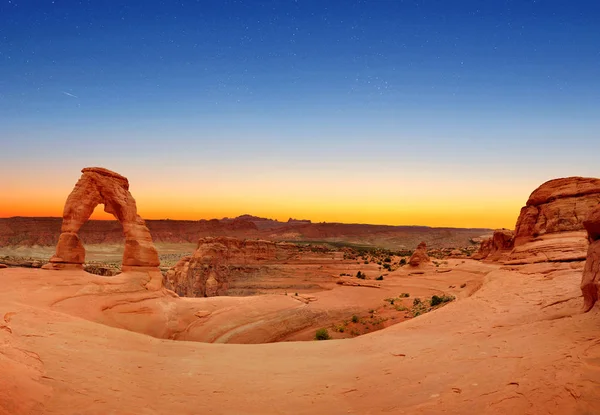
(487, 322)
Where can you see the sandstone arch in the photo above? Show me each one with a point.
(101, 186)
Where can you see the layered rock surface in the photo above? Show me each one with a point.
(220, 262)
(550, 225)
(590, 282)
(101, 186)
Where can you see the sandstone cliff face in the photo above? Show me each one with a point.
(218, 261)
(497, 247)
(550, 225)
(590, 281)
(419, 257)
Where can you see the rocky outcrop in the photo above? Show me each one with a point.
(21, 262)
(100, 186)
(217, 262)
(590, 281)
(550, 225)
(497, 247)
(419, 257)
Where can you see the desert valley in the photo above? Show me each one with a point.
(258, 207)
(470, 320)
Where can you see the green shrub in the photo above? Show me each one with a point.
(403, 261)
(322, 334)
(361, 275)
(416, 302)
(355, 319)
(436, 300)
(380, 278)
(388, 259)
(404, 295)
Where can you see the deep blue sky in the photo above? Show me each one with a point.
(502, 88)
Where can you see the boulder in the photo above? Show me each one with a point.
(496, 247)
(550, 225)
(590, 281)
(101, 186)
(419, 257)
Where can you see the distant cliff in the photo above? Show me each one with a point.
(31, 231)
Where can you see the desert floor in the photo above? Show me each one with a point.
(76, 343)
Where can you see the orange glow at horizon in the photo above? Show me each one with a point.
(369, 197)
(453, 213)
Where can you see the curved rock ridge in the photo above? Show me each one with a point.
(219, 260)
(497, 247)
(419, 257)
(101, 186)
(550, 225)
(590, 281)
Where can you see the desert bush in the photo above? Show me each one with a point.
(339, 328)
(361, 275)
(436, 300)
(322, 334)
(404, 295)
(380, 278)
(355, 319)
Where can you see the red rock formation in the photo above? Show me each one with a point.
(550, 225)
(496, 247)
(590, 281)
(218, 261)
(100, 186)
(419, 257)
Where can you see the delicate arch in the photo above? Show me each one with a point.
(101, 186)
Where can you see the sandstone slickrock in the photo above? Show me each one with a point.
(101, 186)
(550, 225)
(590, 281)
(419, 257)
(496, 247)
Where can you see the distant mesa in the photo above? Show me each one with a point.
(252, 218)
(101, 186)
(550, 225)
(292, 220)
(590, 281)
(419, 257)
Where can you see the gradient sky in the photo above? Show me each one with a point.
(440, 113)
